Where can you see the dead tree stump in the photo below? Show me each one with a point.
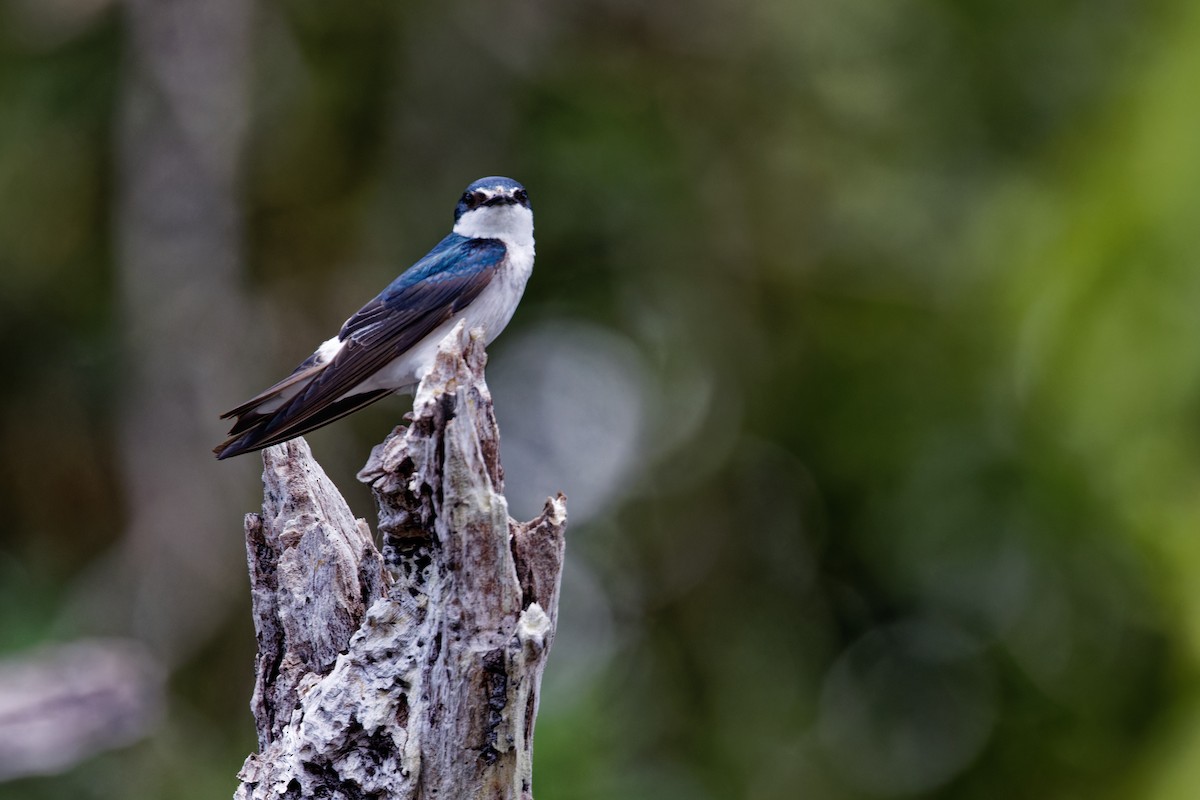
(412, 673)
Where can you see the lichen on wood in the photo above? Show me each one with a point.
(411, 672)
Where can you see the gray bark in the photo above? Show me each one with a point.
(412, 672)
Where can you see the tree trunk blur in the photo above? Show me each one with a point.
(181, 131)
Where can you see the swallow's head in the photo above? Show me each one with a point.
(494, 208)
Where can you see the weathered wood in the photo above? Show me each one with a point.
(413, 673)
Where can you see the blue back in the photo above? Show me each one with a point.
(453, 257)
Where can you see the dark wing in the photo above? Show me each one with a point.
(258, 437)
(401, 316)
(310, 367)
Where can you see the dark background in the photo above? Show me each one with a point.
(863, 338)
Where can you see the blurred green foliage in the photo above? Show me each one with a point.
(934, 263)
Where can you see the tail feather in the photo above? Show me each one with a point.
(295, 382)
(264, 430)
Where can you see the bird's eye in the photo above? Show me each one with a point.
(521, 195)
(468, 198)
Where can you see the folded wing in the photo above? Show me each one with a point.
(318, 392)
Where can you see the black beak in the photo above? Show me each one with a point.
(500, 200)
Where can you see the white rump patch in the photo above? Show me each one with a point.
(328, 350)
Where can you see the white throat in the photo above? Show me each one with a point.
(512, 224)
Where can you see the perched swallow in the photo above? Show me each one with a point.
(477, 274)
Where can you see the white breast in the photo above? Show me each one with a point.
(491, 310)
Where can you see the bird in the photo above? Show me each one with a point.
(477, 274)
